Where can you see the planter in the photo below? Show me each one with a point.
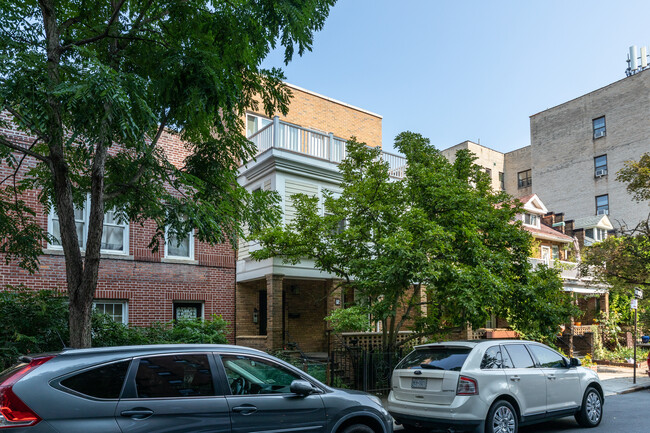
(618, 364)
(501, 333)
(577, 323)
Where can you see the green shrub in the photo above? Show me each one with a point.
(31, 321)
(36, 321)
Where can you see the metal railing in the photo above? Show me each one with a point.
(283, 135)
(569, 269)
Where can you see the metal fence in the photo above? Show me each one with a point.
(361, 369)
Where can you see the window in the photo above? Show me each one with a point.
(502, 181)
(600, 166)
(488, 171)
(555, 252)
(117, 310)
(531, 219)
(188, 310)
(495, 357)
(520, 356)
(596, 234)
(547, 358)
(248, 375)
(599, 127)
(179, 247)
(254, 123)
(184, 375)
(437, 358)
(524, 179)
(602, 204)
(115, 235)
(101, 382)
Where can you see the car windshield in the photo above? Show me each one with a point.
(436, 358)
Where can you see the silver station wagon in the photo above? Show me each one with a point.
(491, 386)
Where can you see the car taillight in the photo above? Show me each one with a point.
(467, 386)
(13, 411)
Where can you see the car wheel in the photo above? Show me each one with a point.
(358, 428)
(591, 412)
(501, 418)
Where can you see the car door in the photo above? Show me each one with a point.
(562, 382)
(173, 393)
(261, 400)
(527, 382)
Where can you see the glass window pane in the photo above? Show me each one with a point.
(492, 358)
(113, 238)
(547, 358)
(251, 125)
(599, 123)
(601, 200)
(600, 161)
(185, 375)
(101, 382)
(253, 376)
(178, 247)
(437, 358)
(520, 356)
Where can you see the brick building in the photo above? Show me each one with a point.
(183, 279)
(280, 305)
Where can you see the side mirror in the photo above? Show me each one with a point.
(574, 362)
(301, 387)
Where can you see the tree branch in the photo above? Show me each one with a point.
(26, 151)
(19, 164)
(104, 34)
(29, 124)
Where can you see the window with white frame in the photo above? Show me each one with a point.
(115, 234)
(596, 234)
(179, 247)
(531, 219)
(254, 123)
(117, 310)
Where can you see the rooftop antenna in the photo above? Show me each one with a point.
(636, 64)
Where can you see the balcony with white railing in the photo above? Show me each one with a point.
(305, 141)
(569, 270)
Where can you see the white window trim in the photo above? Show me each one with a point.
(191, 242)
(86, 216)
(124, 304)
(537, 219)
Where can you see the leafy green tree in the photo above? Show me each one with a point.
(438, 248)
(637, 176)
(97, 83)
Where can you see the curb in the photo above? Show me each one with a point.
(634, 389)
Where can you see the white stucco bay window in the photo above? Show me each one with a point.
(115, 234)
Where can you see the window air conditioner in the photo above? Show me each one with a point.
(599, 134)
(601, 172)
(602, 212)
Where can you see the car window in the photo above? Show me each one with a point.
(520, 356)
(101, 382)
(492, 358)
(250, 375)
(182, 375)
(436, 358)
(546, 357)
(507, 362)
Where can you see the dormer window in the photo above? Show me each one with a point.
(596, 234)
(531, 220)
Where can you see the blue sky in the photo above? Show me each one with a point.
(467, 69)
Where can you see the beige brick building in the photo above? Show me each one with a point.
(280, 305)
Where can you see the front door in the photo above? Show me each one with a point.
(173, 394)
(261, 400)
(526, 381)
(546, 255)
(562, 382)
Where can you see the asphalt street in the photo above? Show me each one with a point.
(627, 413)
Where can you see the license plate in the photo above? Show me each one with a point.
(419, 383)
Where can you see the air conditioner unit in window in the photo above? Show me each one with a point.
(601, 172)
(598, 134)
(602, 212)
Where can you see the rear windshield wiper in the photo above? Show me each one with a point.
(431, 367)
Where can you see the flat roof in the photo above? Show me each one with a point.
(336, 101)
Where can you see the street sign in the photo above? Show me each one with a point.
(634, 304)
(638, 293)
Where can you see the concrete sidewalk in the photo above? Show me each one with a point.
(619, 380)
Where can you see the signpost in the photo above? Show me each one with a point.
(634, 304)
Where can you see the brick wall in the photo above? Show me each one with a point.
(144, 279)
(310, 110)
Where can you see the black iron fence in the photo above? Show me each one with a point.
(362, 369)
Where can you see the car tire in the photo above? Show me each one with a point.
(358, 428)
(502, 417)
(591, 412)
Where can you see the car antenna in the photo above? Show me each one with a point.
(61, 339)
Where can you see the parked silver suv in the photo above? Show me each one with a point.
(177, 388)
(491, 386)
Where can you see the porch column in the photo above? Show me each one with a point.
(274, 313)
